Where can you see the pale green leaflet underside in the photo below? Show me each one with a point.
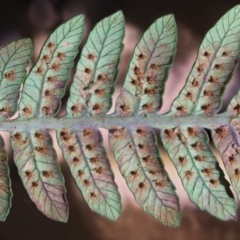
(132, 136)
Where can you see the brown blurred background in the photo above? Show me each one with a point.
(37, 19)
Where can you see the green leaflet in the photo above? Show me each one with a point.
(14, 58)
(199, 170)
(227, 141)
(94, 81)
(46, 82)
(38, 168)
(215, 64)
(148, 70)
(5, 183)
(88, 163)
(137, 155)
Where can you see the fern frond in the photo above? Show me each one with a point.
(131, 127)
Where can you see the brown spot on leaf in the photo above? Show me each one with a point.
(99, 92)
(102, 78)
(181, 109)
(170, 133)
(93, 195)
(147, 107)
(89, 147)
(237, 109)
(11, 75)
(147, 159)
(135, 82)
(208, 93)
(197, 146)
(221, 131)
(46, 58)
(191, 131)
(46, 174)
(87, 71)
(117, 132)
(17, 136)
(47, 93)
(225, 54)
(27, 111)
(99, 170)
(51, 79)
(137, 72)
(159, 183)
(40, 149)
(188, 174)
(189, 96)
(207, 171)
(96, 107)
(125, 108)
(56, 66)
(29, 174)
(71, 148)
(218, 66)
(76, 160)
(151, 80)
(206, 54)
(134, 173)
(40, 70)
(141, 185)
(149, 91)
(200, 68)
(141, 56)
(232, 159)
(87, 132)
(65, 135)
(80, 173)
(61, 56)
(75, 109)
(154, 66)
(153, 171)
(46, 110)
(51, 45)
(143, 147)
(35, 184)
(213, 80)
(195, 83)
(213, 182)
(206, 108)
(91, 56)
(93, 159)
(182, 161)
(39, 135)
(86, 182)
(237, 172)
(141, 131)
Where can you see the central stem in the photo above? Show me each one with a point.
(108, 121)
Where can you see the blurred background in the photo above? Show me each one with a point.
(37, 19)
